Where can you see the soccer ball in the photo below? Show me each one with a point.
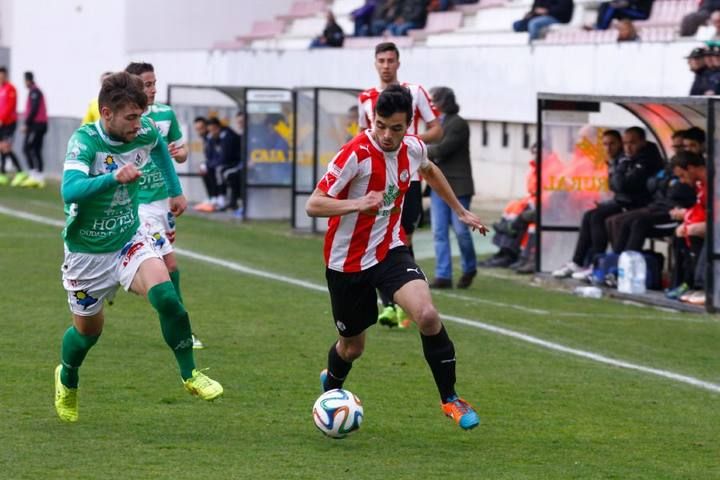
(337, 413)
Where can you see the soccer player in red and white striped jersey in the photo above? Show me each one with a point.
(362, 193)
(387, 63)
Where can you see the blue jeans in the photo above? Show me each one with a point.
(535, 25)
(402, 29)
(442, 217)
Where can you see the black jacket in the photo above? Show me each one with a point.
(562, 10)
(669, 192)
(334, 35)
(701, 84)
(452, 155)
(629, 177)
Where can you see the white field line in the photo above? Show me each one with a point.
(695, 382)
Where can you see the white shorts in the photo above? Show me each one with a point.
(91, 278)
(159, 223)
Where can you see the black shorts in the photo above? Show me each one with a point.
(353, 296)
(412, 208)
(7, 132)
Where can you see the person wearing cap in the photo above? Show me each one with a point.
(696, 62)
(452, 156)
(712, 62)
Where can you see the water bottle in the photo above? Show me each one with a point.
(631, 273)
(588, 292)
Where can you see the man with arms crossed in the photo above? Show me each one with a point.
(362, 193)
(105, 243)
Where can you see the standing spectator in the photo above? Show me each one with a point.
(628, 180)
(8, 124)
(692, 21)
(543, 14)
(622, 10)
(413, 14)
(362, 17)
(452, 156)
(36, 121)
(696, 63)
(332, 36)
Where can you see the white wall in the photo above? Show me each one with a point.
(70, 44)
(193, 24)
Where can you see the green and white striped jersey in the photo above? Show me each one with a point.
(152, 186)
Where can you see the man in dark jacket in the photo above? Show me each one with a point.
(692, 21)
(413, 14)
(452, 156)
(223, 153)
(622, 9)
(696, 63)
(543, 14)
(629, 176)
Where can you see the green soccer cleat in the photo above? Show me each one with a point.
(66, 403)
(18, 179)
(388, 317)
(31, 182)
(203, 386)
(402, 318)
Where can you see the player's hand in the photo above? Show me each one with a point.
(127, 174)
(370, 203)
(178, 205)
(473, 221)
(173, 149)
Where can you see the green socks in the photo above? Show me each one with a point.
(175, 325)
(75, 347)
(175, 279)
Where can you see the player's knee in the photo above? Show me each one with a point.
(170, 263)
(165, 300)
(350, 351)
(427, 317)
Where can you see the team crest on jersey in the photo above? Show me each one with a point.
(404, 176)
(84, 299)
(110, 165)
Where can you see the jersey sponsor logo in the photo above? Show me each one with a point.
(101, 225)
(84, 299)
(110, 165)
(171, 219)
(340, 326)
(159, 240)
(129, 251)
(389, 197)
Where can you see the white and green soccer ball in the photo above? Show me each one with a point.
(337, 413)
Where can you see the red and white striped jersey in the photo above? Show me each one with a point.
(423, 108)
(357, 241)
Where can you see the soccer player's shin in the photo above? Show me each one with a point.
(175, 325)
(175, 279)
(75, 347)
(440, 355)
(337, 370)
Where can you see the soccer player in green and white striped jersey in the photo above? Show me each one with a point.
(107, 246)
(154, 211)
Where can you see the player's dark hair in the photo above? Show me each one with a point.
(686, 159)
(138, 68)
(694, 133)
(122, 89)
(637, 131)
(200, 119)
(393, 99)
(29, 76)
(214, 121)
(678, 133)
(3, 69)
(387, 47)
(613, 133)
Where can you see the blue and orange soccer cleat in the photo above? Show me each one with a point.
(323, 378)
(461, 411)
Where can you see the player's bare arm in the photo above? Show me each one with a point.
(320, 204)
(437, 181)
(433, 133)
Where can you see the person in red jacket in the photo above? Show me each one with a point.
(8, 123)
